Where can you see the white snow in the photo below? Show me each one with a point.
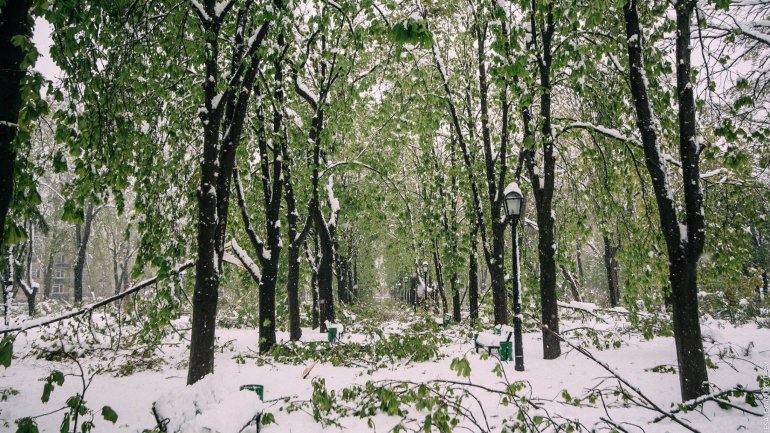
(201, 10)
(512, 187)
(306, 90)
(225, 409)
(208, 406)
(333, 202)
(245, 259)
(220, 7)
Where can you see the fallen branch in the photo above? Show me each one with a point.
(692, 404)
(30, 324)
(625, 382)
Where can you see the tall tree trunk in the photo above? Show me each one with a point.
(765, 282)
(292, 293)
(350, 265)
(572, 283)
(206, 292)
(14, 21)
(495, 166)
(456, 313)
(316, 307)
(297, 238)
(82, 235)
(440, 278)
(32, 286)
(543, 184)
(7, 282)
(611, 266)
(355, 276)
(581, 272)
(497, 275)
(473, 278)
(684, 242)
(222, 118)
(48, 278)
(325, 272)
(342, 276)
(267, 307)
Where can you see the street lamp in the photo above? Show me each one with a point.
(513, 201)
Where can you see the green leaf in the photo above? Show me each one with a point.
(6, 351)
(57, 377)
(59, 163)
(26, 425)
(86, 426)
(14, 234)
(461, 366)
(47, 388)
(268, 418)
(751, 400)
(65, 424)
(72, 213)
(109, 414)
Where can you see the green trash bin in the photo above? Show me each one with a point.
(331, 334)
(447, 319)
(259, 389)
(506, 351)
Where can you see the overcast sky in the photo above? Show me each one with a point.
(42, 39)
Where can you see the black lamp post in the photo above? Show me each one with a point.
(514, 200)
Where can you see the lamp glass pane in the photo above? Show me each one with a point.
(512, 205)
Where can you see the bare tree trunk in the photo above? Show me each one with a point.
(15, 21)
(473, 279)
(82, 236)
(439, 277)
(32, 287)
(611, 266)
(495, 167)
(48, 278)
(325, 273)
(350, 265)
(579, 260)
(684, 242)
(572, 282)
(314, 289)
(456, 313)
(355, 275)
(543, 182)
(342, 275)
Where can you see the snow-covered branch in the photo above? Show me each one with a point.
(243, 256)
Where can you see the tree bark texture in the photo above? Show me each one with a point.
(684, 239)
(14, 20)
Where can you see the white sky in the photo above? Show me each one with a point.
(41, 37)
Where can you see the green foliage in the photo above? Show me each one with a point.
(439, 406)
(267, 418)
(461, 366)
(56, 377)
(421, 342)
(6, 351)
(663, 368)
(412, 31)
(109, 414)
(26, 425)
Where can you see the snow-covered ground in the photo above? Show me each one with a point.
(131, 396)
